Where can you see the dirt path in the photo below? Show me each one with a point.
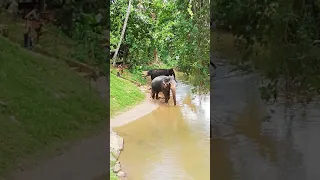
(88, 159)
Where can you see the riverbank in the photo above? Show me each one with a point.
(117, 142)
(128, 102)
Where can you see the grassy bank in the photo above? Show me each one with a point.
(43, 104)
(52, 40)
(132, 76)
(123, 95)
(136, 74)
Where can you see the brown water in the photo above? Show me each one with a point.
(252, 140)
(171, 143)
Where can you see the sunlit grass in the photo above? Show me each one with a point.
(123, 94)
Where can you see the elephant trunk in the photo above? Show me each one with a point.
(173, 89)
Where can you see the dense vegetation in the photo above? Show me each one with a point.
(277, 37)
(86, 23)
(164, 33)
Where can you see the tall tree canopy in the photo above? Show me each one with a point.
(175, 33)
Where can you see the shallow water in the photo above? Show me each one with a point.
(172, 142)
(252, 140)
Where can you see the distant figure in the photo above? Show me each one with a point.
(120, 70)
(30, 19)
(28, 38)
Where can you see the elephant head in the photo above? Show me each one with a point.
(149, 73)
(168, 84)
(171, 73)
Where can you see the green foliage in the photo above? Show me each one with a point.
(80, 21)
(276, 37)
(88, 41)
(180, 41)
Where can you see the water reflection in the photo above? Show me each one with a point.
(251, 142)
(171, 142)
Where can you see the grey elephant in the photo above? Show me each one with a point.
(163, 84)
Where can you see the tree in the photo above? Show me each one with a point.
(166, 30)
(122, 33)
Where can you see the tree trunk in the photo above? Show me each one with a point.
(155, 55)
(122, 33)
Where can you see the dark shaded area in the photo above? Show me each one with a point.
(252, 140)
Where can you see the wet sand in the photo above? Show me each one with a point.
(146, 107)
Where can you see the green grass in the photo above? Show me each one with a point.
(52, 39)
(113, 176)
(44, 105)
(123, 95)
(31, 84)
(136, 76)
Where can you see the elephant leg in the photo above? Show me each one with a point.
(166, 97)
(152, 94)
(166, 100)
(157, 95)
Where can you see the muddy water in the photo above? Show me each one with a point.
(171, 143)
(253, 140)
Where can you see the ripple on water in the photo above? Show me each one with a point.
(171, 142)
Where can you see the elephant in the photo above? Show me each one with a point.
(163, 84)
(158, 72)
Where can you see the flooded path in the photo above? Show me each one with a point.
(172, 142)
(252, 140)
